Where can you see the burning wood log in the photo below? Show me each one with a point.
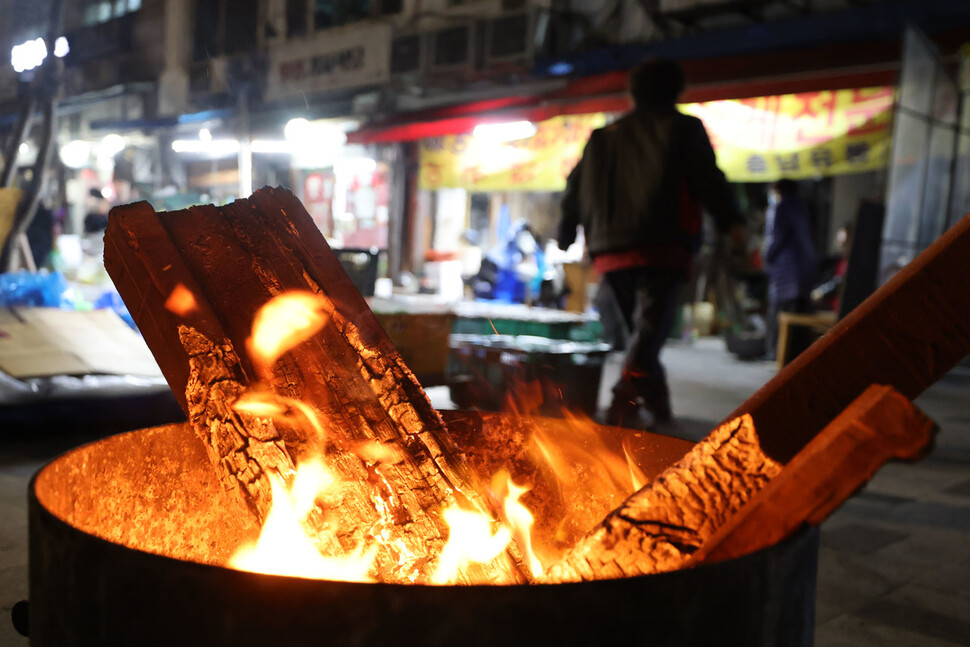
(657, 528)
(880, 425)
(726, 498)
(194, 281)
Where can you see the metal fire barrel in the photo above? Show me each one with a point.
(91, 590)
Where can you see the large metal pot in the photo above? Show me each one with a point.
(154, 485)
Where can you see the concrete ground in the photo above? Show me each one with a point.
(894, 566)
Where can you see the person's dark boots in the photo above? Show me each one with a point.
(624, 413)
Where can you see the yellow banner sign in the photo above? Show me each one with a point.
(799, 135)
(757, 140)
(539, 163)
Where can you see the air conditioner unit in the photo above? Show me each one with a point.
(510, 38)
(408, 54)
(452, 48)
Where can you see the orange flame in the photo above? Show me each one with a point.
(281, 324)
(470, 541)
(285, 548)
(181, 301)
(264, 404)
(637, 478)
(518, 518)
(261, 405)
(583, 448)
(372, 451)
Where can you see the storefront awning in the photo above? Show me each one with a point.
(804, 135)
(740, 77)
(162, 122)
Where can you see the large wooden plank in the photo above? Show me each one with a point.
(656, 529)
(907, 335)
(880, 425)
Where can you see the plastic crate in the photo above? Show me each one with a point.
(484, 370)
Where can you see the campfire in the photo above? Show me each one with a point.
(312, 451)
(315, 425)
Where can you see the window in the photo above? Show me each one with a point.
(333, 13)
(388, 7)
(224, 27)
(94, 12)
(295, 18)
(241, 26)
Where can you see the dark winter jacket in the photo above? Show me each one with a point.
(630, 188)
(789, 252)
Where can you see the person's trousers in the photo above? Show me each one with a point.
(647, 297)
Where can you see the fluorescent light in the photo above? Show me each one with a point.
(112, 144)
(351, 166)
(29, 55)
(24, 148)
(212, 148)
(205, 135)
(271, 146)
(61, 47)
(75, 154)
(296, 129)
(505, 132)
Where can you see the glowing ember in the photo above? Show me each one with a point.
(181, 301)
(470, 541)
(284, 547)
(282, 323)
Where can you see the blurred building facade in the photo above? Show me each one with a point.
(180, 101)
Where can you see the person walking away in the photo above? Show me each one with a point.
(790, 262)
(638, 192)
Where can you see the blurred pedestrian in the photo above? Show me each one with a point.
(790, 262)
(638, 192)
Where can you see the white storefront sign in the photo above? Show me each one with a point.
(330, 60)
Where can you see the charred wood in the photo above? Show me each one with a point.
(880, 425)
(658, 528)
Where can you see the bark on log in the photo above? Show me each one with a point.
(233, 260)
(241, 452)
(880, 425)
(907, 335)
(657, 529)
